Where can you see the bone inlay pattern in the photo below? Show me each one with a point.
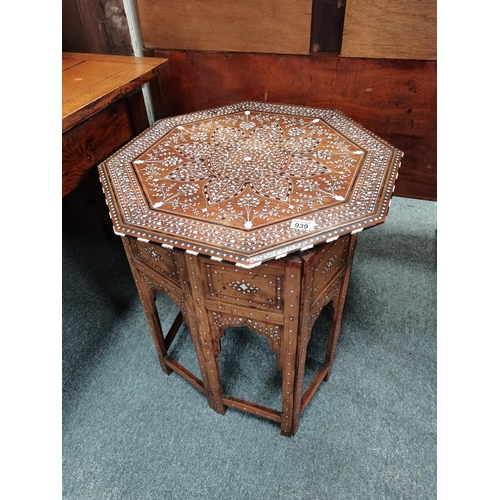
(250, 182)
(244, 287)
(272, 332)
(151, 251)
(247, 215)
(154, 285)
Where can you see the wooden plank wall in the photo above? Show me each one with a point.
(395, 98)
(389, 29)
(280, 26)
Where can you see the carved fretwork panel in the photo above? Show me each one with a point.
(158, 268)
(329, 295)
(153, 284)
(273, 333)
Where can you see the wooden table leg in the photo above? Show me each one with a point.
(304, 335)
(291, 311)
(148, 300)
(338, 310)
(201, 334)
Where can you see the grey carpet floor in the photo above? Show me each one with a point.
(130, 432)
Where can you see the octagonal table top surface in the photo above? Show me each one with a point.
(250, 182)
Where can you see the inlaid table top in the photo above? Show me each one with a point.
(250, 182)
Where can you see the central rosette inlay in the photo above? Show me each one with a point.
(250, 159)
(232, 161)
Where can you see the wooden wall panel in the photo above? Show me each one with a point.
(390, 29)
(73, 34)
(280, 26)
(394, 99)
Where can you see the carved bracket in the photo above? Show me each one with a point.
(271, 332)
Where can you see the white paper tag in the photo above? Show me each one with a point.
(302, 225)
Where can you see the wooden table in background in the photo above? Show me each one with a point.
(102, 108)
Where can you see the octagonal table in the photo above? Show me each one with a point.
(247, 215)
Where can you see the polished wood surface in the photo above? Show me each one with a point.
(250, 182)
(91, 142)
(90, 82)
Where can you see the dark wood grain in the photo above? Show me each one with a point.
(91, 14)
(73, 33)
(137, 111)
(326, 25)
(89, 143)
(95, 26)
(83, 209)
(395, 99)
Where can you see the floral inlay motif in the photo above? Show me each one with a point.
(243, 286)
(246, 169)
(187, 181)
(329, 264)
(151, 251)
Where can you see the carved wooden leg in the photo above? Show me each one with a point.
(289, 351)
(173, 330)
(300, 363)
(148, 300)
(202, 334)
(338, 309)
(288, 379)
(304, 336)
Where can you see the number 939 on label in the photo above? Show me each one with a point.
(302, 225)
